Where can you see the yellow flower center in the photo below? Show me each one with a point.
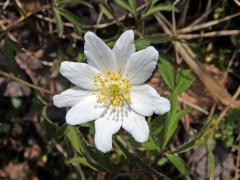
(114, 88)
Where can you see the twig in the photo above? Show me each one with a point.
(80, 170)
(184, 12)
(213, 108)
(209, 34)
(217, 90)
(166, 27)
(10, 76)
(204, 15)
(207, 24)
(237, 2)
(223, 113)
(229, 66)
(20, 20)
(99, 19)
(194, 106)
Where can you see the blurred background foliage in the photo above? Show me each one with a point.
(198, 43)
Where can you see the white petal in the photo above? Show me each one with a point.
(70, 97)
(162, 105)
(145, 100)
(137, 126)
(105, 127)
(124, 48)
(80, 74)
(86, 110)
(98, 53)
(141, 65)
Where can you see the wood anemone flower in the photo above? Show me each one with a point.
(110, 89)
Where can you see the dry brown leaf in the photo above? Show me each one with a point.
(15, 171)
(217, 91)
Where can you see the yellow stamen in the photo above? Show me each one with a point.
(114, 88)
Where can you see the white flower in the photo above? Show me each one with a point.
(110, 89)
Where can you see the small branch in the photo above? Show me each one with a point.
(166, 26)
(207, 24)
(194, 106)
(223, 113)
(205, 14)
(209, 34)
(17, 22)
(237, 2)
(25, 83)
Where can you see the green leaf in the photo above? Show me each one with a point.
(135, 160)
(81, 57)
(59, 22)
(158, 8)
(74, 138)
(10, 48)
(60, 130)
(157, 125)
(142, 44)
(178, 163)
(74, 2)
(2, 34)
(106, 11)
(174, 103)
(184, 80)
(49, 127)
(195, 141)
(95, 157)
(70, 17)
(125, 6)
(166, 70)
(176, 117)
(172, 124)
(98, 159)
(157, 38)
(81, 160)
(16, 102)
(132, 5)
(211, 160)
(78, 29)
(150, 144)
(189, 145)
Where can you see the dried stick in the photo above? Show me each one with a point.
(237, 2)
(223, 113)
(209, 34)
(194, 106)
(204, 15)
(184, 12)
(207, 24)
(25, 83)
